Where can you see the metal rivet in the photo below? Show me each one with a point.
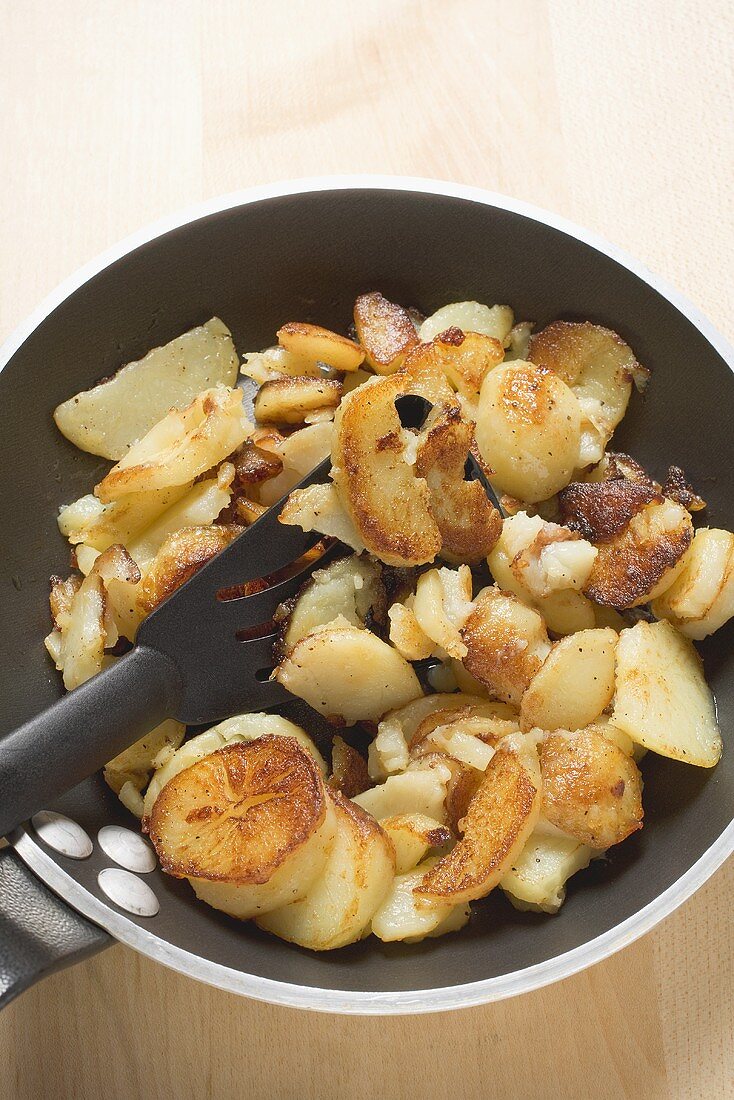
(128, 892)
(62, 834)
(127, 848)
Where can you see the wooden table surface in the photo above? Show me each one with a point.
(615, 115)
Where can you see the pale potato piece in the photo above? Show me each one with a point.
(574, 684)
(464, 739)
(107, 419)
(500, 818)
(384, 330)
(340, 904)
(84, 636)
(662, 699)
(181, 446)
(198, 507)
(403, 915)
(506, 643)
(318, 508)
(387, 503)
(495, 321)
(442, 605)
(299, 453)
(599, 367)
(591, 789)
(406, 634)
(537, 879)
(135, 764)
(701, 598)
(102, 525)
(348, 673)
(413, 835)
(518, 341)
(528, 430)
(242, 727)
(265, 366)
(350, 587)
(464, 358)
(290, 400)
(181, 555)
(321, 345)
(421, 791)
(250, 826)
(641, 562)
(606, 728)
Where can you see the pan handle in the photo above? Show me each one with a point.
(39, 933)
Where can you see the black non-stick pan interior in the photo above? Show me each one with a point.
(306, 257)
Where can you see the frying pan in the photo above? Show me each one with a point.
(304, 251)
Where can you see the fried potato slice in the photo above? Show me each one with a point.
(241, 727)
(99, 525)
(266, 366)
(506, 643)
(384, 330)
(290, 400)
(467, 520)
(181, 446)
(407, 635)
(108, 418)
(599, 367)
(136, 764)
(441, 606)
(701, 598)
(349, 773)
(341, 903)
(347, 673)
(405, 916)
(600, 511)
(181, 555)
(250, 826)
(528, 430)
(574, 684)
(662, 699)
(465, 358)
(349, 587)
(321, 345)
(387, 503)
(494, 321)
(84, 637)
(641, 562)
(500, 818)
(299, 453)
(412, 836)
(591, 789)
(537, 880)
(319, 508)
(420, 791)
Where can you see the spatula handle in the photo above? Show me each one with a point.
(75, 737)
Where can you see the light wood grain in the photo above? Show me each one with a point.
(615, 115)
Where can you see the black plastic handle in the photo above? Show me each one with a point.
(39, 933)
(78, 735)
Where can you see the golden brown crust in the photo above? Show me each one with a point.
(181, 555)
(678, 488)
(599, 511)
(384, 330)
(525, 397)
(289, 399)
(469, 523)
(61, 597)
(253, 465)
(254, 804)
(591, 789)
(497, 822)
(566, 347)
(499, 655)
(349, 773)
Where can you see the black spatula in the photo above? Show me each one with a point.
(198, 658)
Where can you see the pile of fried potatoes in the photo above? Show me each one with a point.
(511, 669)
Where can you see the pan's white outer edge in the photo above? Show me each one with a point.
(355, 1001)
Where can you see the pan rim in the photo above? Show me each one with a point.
(356, 1001)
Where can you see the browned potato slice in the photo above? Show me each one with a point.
(107, 419)
(249, 825)
(348, 673)
(573, 685)
(662, 699)
(320, 344)
(61, 598)
(642, 561)
(340, 904)
(498, 822)
(601, 510)
(181, 555)
(599, 367)
(181, 446)
(384, 330)
(701, 598)
(389, 506)
(528, 430)
(591, 789)
(469, 523)
(465, 358)
(407, 635)
(290, 400)
(412, 836)
(318, 508)
(506, 643)
(253, 465)
(348, 769)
